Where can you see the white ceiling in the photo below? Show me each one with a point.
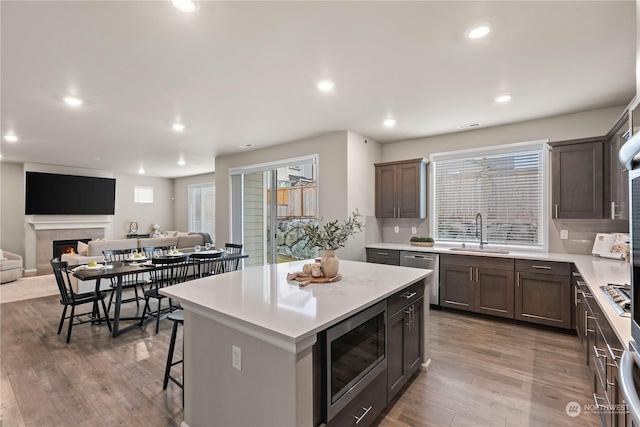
(240, 73)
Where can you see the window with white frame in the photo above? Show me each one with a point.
(202, 199)
(505, 184)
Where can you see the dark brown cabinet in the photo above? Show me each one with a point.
(401, 189)
(383, 256)
(618, 203)
(478, 284)
(578, 173)
(543, 293)
(404, 336)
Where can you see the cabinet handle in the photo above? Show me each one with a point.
(596, 351)
(366, 411)
(575, 296)
(394, 211)
(541, 267)
(382, 253)
(518, 278)
(613, 210)
(471, 274)
(556, 211)
(596, 399)
(409, 295)
(477, 274)
(408, 313)
(575, 274)
(399, 216)
(586, 318)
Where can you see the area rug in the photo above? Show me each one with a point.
(28, 287)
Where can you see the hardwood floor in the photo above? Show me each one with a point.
(488, 372)
(483, 373)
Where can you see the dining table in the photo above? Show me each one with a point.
(120, 269)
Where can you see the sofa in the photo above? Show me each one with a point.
(94, 248)
(10, 267)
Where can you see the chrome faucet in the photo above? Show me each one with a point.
(479, 229)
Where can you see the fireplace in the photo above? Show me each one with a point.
(61, 247)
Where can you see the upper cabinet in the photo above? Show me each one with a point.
(578, 171)
(618, 202)
(401, 189)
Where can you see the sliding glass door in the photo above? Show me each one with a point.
(275, 200)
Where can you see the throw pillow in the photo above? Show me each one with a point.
(83, 248)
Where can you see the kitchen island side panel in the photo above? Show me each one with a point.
(274, 387)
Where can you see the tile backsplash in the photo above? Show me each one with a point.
(404, 229)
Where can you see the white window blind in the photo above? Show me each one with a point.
(202, 208)
(505, 185)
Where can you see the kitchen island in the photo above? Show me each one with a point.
(249, 339)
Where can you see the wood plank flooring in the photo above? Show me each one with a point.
(483, 373)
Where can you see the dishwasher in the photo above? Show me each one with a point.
(424, 260)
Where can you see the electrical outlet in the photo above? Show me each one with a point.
(414, 230)
(236, 357)
(564, 234)
(396, 229)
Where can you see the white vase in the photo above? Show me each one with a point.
(330, 263)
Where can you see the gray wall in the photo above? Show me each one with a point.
(559, 128)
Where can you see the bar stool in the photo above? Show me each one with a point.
(178, 319)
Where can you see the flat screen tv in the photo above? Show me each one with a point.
(55, 194)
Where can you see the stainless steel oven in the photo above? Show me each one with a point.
(353, 354)
(629, 369)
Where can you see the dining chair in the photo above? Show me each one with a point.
(231, 265)
(68, 298)
(129, 281)
(205, 264)
(149, 251)
(167, 271)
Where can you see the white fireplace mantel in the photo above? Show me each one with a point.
(67, 225)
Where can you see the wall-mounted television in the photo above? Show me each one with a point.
(55, 194)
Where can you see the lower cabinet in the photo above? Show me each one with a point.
(543, 293)
(363, 409)
(404, 345)
(478, 284)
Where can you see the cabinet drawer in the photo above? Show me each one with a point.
(543, 267)
(405, 297)
(477, 261)
(383, 256)
(365, 407)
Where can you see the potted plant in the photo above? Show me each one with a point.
(330, 236)
(422, 241)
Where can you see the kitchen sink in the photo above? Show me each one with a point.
(483, 250)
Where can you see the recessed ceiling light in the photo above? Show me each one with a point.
(178, 127)
(389, 123)
(325, 85)
(478, 32)
(10, 137)
(503, 98)
(185, 5)
(141, 171)
(246, 146)
(73, 101)
(181, 162)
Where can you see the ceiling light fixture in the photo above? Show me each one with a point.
(73, 101)
(141, 171)
(181, 162)
(503, 98)
(389, 123)
(478, 32)
(469, 126)
(178, 127)
(10, 137)
(187, 6)
(325, 85)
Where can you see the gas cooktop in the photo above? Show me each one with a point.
(620, 298)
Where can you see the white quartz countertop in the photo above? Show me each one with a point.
(594, 270)
(260, 300)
